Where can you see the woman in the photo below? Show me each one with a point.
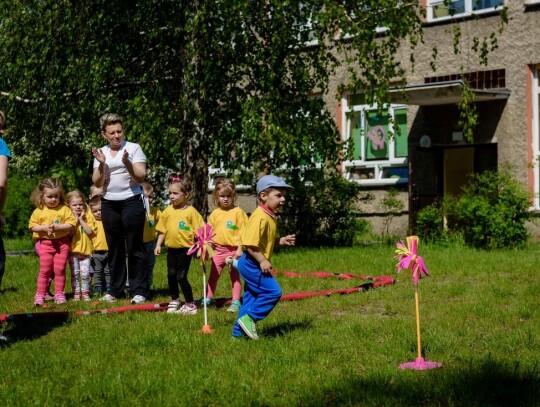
(120, 168)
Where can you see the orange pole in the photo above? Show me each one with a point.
(417, 303)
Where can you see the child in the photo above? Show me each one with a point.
(51, 222)
(81, 246)
(99, 262)
(95, 192)
(228, 222)
(261, 291)
(176, 227)
(150, 233)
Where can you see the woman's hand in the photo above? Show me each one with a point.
(98, 154)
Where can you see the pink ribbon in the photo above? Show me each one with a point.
(203, 243)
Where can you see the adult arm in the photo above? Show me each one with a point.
(3, 186)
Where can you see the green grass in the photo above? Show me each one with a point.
(479, 317)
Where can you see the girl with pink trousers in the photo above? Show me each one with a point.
(51, 223)
(228, 222)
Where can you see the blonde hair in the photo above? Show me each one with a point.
(47, 183)
(110, 118)
(73, 195)
(227, 185)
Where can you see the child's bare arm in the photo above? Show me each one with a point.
(265, 265)
(288, 240)
(159, 242)
(86, 227)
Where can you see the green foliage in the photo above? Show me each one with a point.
(321, 210)
(493, 210)
(18, 207)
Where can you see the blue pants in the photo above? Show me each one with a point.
(261, 292)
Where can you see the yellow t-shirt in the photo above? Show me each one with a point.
(59, 215)
(261, 232)
(179, 226)
(228, 225)
(99, 241)
(150, 232)
(81, 243)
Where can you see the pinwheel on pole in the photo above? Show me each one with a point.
(204, 250)
(408, 257)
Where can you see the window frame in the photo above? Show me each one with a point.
(468, 6)
(351, 168)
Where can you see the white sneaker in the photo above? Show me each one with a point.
(107, 298)
(173, 307)
(138, 299)
(188, 309)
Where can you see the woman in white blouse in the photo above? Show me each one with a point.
(120, 168)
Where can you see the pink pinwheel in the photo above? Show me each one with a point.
(203, 243)
(410, 260)
(205, 251)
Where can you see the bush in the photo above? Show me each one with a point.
(18, 207)
(429, 224)
(492, 211)
(321, 210)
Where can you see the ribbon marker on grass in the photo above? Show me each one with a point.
(410, 260)
(204, 250)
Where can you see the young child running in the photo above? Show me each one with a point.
(261, 291)
(51, 222)
(228, 222)
(176, 227)
(81, 246)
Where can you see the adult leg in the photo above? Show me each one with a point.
(2, 260)
(111, 213)
(133, 218)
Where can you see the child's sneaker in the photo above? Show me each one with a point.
(234, 307)
(77, 297)
(173, 307)
(39, 300)
(107, 298)
(188, 309)
(248, 326)
(60, 299)
(202, 301)
(138, 299)
(86, 297)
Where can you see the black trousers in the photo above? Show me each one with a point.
(178, 262)
(2, 259)
(123, 222)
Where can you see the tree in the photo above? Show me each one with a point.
(232, 83)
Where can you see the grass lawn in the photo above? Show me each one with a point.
(479, 317)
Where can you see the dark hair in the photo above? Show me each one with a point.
(176, 178)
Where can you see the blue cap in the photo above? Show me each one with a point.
(270, 181)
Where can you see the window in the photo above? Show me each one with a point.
(536, 135)
(379, 155)
(440, 10)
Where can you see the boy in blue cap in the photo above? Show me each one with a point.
(261, 291)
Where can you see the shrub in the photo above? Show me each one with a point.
(18, 207)
(321, 209)
(492, 211)
(429, 224)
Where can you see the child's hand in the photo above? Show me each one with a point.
(157, 250)
(238, 253)
(289, 240)
(266, 267)
(50, 229)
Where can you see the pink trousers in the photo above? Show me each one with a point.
(53, 256)
(218, 264)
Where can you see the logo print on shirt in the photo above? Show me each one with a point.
(182, 226)
(151, 223)
(230, 225)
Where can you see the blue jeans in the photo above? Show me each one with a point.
(261, 292)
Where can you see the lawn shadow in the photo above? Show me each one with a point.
(284, 328)
(31, 328)
(8, 290)
(487, 383)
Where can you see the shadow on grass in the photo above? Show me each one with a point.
(31, 329)
(9, 290)
(487, 383)
(284, 328)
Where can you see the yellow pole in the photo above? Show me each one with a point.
(417, 302)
